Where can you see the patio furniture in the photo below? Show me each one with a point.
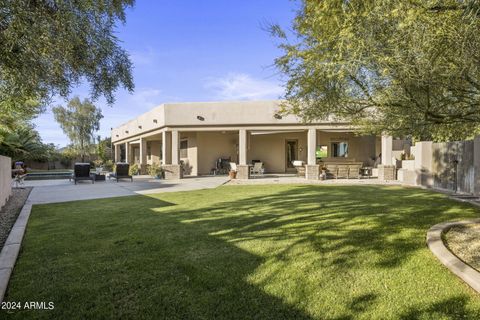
(331, 170)
(354, 171)
(257, 169)
(299, 165)
(342, 171)
(81, 171)
(366, 172)
(122, 172)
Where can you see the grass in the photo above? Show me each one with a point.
(243, 252)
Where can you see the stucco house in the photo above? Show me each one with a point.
(197, 134)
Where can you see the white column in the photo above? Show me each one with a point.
(311, 147)
(242, 147)
(175, 137)
(127, 152)
(116, 152)
(143, 151)
(164, 147)
(387, 145)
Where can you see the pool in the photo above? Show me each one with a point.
(48, 175)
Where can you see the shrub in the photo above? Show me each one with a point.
(108, 165)
(155, 170)
(133, 169)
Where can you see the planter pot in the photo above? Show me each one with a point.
(232, 174)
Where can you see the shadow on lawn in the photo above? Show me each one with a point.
(236, 258)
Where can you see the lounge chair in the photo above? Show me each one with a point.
(81, 171)
(342, 171)
(122, 172)
(257, 169)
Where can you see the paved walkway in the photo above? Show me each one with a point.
(50, 191)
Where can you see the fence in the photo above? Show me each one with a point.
(453, 166)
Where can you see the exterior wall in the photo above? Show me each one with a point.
(5, 179)
(214, 145)
(191, 161)
(360, 148)
(453, 166)
(154, 152)
(270, 149)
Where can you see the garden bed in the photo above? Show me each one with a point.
(464, 242)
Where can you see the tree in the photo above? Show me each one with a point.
(104, 149)
(402, 67)
(47, 47)
(79, 121)
(24, 143)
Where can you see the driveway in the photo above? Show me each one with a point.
(50, 191)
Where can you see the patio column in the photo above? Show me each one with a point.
(127, 152)
(175, 138)
(143, 155)
(312, 170)
(164, 147)
(173, 169)
(243, 170)
(387, 145)
(117, 153)
(387, 170)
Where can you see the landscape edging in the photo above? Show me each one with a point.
(11, 248)
(447, 258)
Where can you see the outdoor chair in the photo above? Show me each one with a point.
(354, 171)
(122, 172)
(257, 169)
(81, 171)
(342, 171)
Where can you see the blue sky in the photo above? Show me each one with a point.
(191, 50)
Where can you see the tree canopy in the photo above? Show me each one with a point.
(79, 120)
(401, 67)
(48, 47)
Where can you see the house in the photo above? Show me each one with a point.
(196, 135)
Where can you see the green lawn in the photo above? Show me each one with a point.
(244, 252)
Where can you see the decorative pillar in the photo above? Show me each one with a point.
(243, 170)
(312, 170)
(143, 156)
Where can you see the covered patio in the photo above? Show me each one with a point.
(205, 138)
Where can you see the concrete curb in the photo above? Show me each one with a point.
(10, 250)
(457, 266)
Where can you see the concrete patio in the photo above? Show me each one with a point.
(50, 191)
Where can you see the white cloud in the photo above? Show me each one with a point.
(144, 57)
(240, 86)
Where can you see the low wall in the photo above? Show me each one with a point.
(453, 166)
(5, 179)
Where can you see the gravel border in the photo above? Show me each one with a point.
(11, 210)
(452, 262)
(464, 242)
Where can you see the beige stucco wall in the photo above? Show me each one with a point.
(154, 151)
(360, 148)
(214, 145)
(191, 161)
(270, 149)
(5, 179)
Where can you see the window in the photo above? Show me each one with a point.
(321, 152)
(149, 151)
(183, 149)
(339, 149)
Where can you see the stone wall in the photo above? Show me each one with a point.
(5, 179)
